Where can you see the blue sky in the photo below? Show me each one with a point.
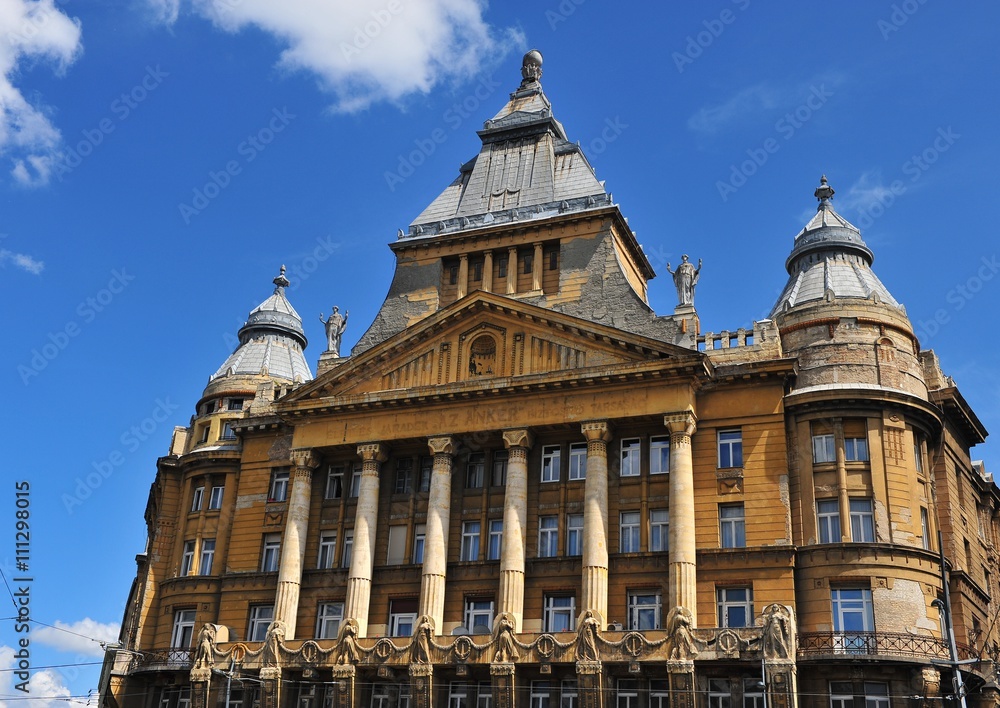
(160, 161)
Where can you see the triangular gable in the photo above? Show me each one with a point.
(485, 337)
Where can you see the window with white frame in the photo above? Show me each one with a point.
(228, 431)
(735, 606)
(560, 613)
(498, 476)
(732, 526)
(183, 630)
(627, 693)
(197, 498)
(824, 448)
(260, 617)
(659, 454)
(568, 694)
(184, 697)
(578, 460)
(475, 470)
(828, 520)
(862, 521)
(458, 695)
(631, 457)
(628, 537)
(643, 610)
(471, 531)
(876, 695)
(841, 694)
(720, 695)
(484, 695)
(279, 486)
(419, 535)
(659, 530)
(356, 480)
(574, 534)
(856, 440)
(548, 536)
(478, 614)
(345, 557)
(270, 552)
(215, 499)
(403, 701)
(328, 619)
(380, 696)
(426, 468)
(404, 475)
(187, 558)
(327, 549)
(402, 617)
(753, 693)
(540, 694)
(659, 693)
(925, 529)
(495, 540)
(852, 610)
(334, 482)
(550, 463)
(918, 455)
(307, 696)
(207, 556)
(730, 443)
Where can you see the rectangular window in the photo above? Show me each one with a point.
(643, 610)
(659, 693)
(855, 440)
(720, 695)
(631, 457)
(205, 432)
(627, 693)
(735, 607)
(553, 260)
(659, 530)
(260, 617)
(327, 549)
(426, 467)
(828, 518)
(478, 615)
(496, 539)
(402, 617)
(234, 404)
(470, 541)
(548, 536)
(356, 480)
(918, 455)
(279, 486)
(458, 695)
(841, 694)
(550, 463)
(197, 498)
(628, 538)
(419, 534)
(824, 448)
(568, 697)
(396, 554)
(499, 474)
(528, 260)
(502, 267)
(659, 454)
(853, 615)
(574, 534)
(183, 631)
(270, 553)
(228, 433)
(453, 275)
(730, 448)
(328, 619)
(578, 460)
(475, 470)
(215, 500)
(862, 521)
(207, 556)
(925, 528)
(477, 271)
(540, 694)
(753, 693)
(187, 558)
(334, 482)
(404, 475)
(876, 695)
(732, 526)
(345, 557)
(560, 613)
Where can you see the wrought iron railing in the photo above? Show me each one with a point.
(174, 658)
(876, 644)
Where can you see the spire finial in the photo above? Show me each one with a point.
(281, 281)
(531, 67)
(824, 193)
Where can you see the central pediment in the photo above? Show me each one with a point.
(487, 340)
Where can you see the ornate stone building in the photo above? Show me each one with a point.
(523, 487)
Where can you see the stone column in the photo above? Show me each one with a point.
(590, 684)
(200, 688)
(293, 545)
(682, 590)
(515, 515)
(359, 579)
(463, 275)
(422, 685)
(343, 686)
(511, 271)
(595, 521)
(503, 684)
(844, 499)
(681, 676)
(432, 582)
(270, 687)
(488, 271)
(536, 268)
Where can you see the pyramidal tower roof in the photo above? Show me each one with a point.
(271, 341)
(527, 168)
(829, 260)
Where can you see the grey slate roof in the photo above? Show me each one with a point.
(271, 341)
(830, 260)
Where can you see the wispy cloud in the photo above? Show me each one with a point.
(21, 260)
(33, 30)
(365, 51)
(81, 637)
(867, 190)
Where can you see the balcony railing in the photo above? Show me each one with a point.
(165, 659)
(876, 644)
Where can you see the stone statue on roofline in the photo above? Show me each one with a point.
(335, 326)
(685, 279)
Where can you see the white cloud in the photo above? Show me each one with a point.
(33, 30)
(364, 51)
(21, 260)
(867, 190)
(82, 645)
(47, 689)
